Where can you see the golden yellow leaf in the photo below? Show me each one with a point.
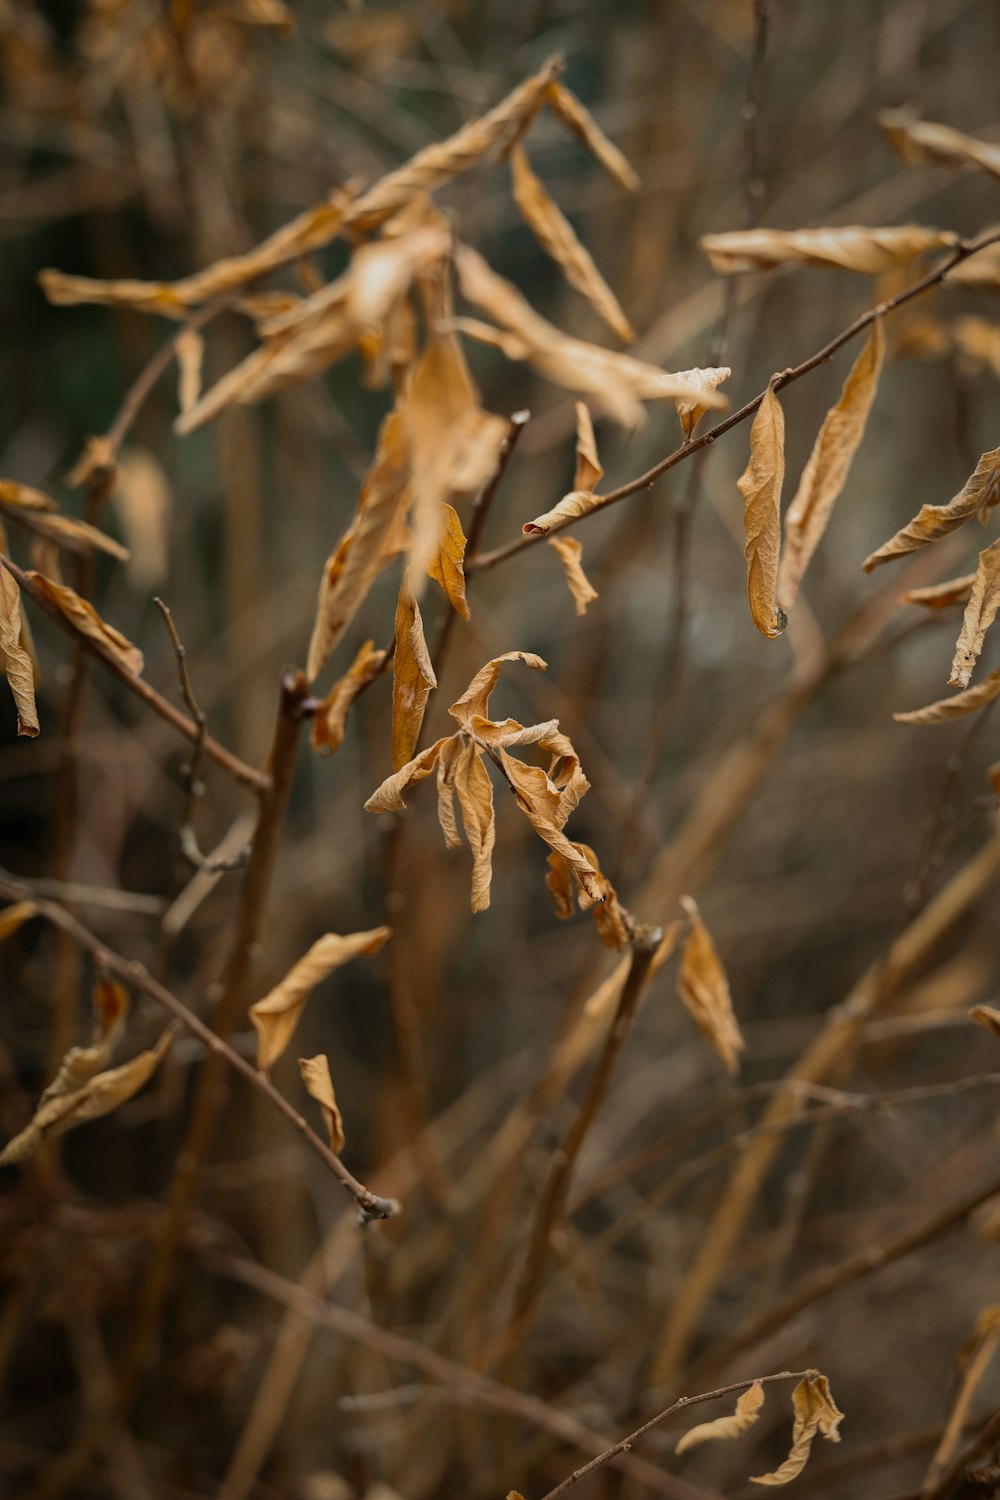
(742, 1419)
(977, 496)
(330, 719)
(39, 514)
(980, 612)
(582, 590)
(760, 485)
(319, 1085)
(475, 798)
(814, 1412)
(852, 247)
(446, 568)
(277, 1014)
(704, 989)
(924, 142)
(66, 1103)
(558, 239)
(412, 676)
(190, 348)
(567, 108)
(947, 709)
(13, 916)
(85, 620)
(18, 666)
(942, 595)
(829, 463)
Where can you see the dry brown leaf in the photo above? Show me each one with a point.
(852, 247)
(589, 472)
(277, 1014)
(704, 989)
(987, 1016)
(947, 709)
(97, 1095)
(18, 666)
(760, 485)
(190, 348)
(85, 620)
(360, 555)
(547, 798)
(389, 796)
(475, 701)
(475, 798)
(618, 381)
(829, 463)
(582, 590)
(446, 568)
(942, 595)
(14, 916)
(39, 514)
(977, 496)
(577, 503)
(815, 1412)
(740, 1421)
(980, 613)
(567, 107)
(330, 719)
(319, 1085)
(558, 239)
(691, 412)
(446, 791)
(412, 676)
(923, 142)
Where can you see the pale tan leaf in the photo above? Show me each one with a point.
(190, 348)
(577, 503)
(144, 502)
(567, 107)
(760, 485)
(942, 595)
(476, 698)
(618, 381)
(828, 466)
(691, 412)
(110, 1004)
(330, 719)
(388, 797)
(359, 556)
(319, 1086)
(924, 142)
(582, 590)
(17, 663)
(740, 1421)
(475, 798)
(704, 989)
(98, 1095)
(852, 247)
(947, 709)
(547, 805)
(980, 613)
(815, 1412)
(40, 514)
(412, 677)
(588, 466)
(277, 1014)
(558, 239)
(13, 916)
(446, 568)
(81, 615)
(447, 757)
(977, 496)
(987, 1016)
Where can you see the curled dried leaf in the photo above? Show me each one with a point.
(330, 719)
(704, 989)
(475, 798)
(815, 1411)
(942, 595)
(83, 618)
(277, 1014)
(980, 612)
(412, 676)
(580, 586)
(851, 248)
(39, 514)
(18, 666)
(475, 701)
(947, 709)
(760, 485)
(691, 412)
(319, 1086)
(829, 463)
(742, 1419)
(977, 496)
(567, 108)
(389, 796)
(447, 566)
(924, 142)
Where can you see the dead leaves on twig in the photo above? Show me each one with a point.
(18, 665)
(925, 143)
(319, 1085)
(277, 1014)
(704, 989)
(583, 497)
(330, 719)
(977, 496)
(760, 485)
(740, 1421)
(83, 619)
(815, 1413)
(851, 248)
(980, 612)
(413, 676)
(39, 514)
(957, 707)
(570, 552)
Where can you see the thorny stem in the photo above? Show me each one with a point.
(961, 252)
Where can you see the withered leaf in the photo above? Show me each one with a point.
(98, 1095)
(760, 485)
(412, 676)
(977, 496)
(330, 719)
(110, 1003)
(475, 798)
(740, 1421)
(980, 612)
(829, 463)
(987, 1016)
(190, 348)
(815, 1412)
(319, 1085)
(691, 412)
(923, 142)
(18, 666)
(567, 107)
(389, 796)
(580, 586)
(589, 472)
(475, 701)
(277, 1014)
(446, 567)
(558, 239)
(852, 247)
(942, 595)
(704, 989)
(39, 514)
(547, 798)
(947, 709)
(84, 619)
